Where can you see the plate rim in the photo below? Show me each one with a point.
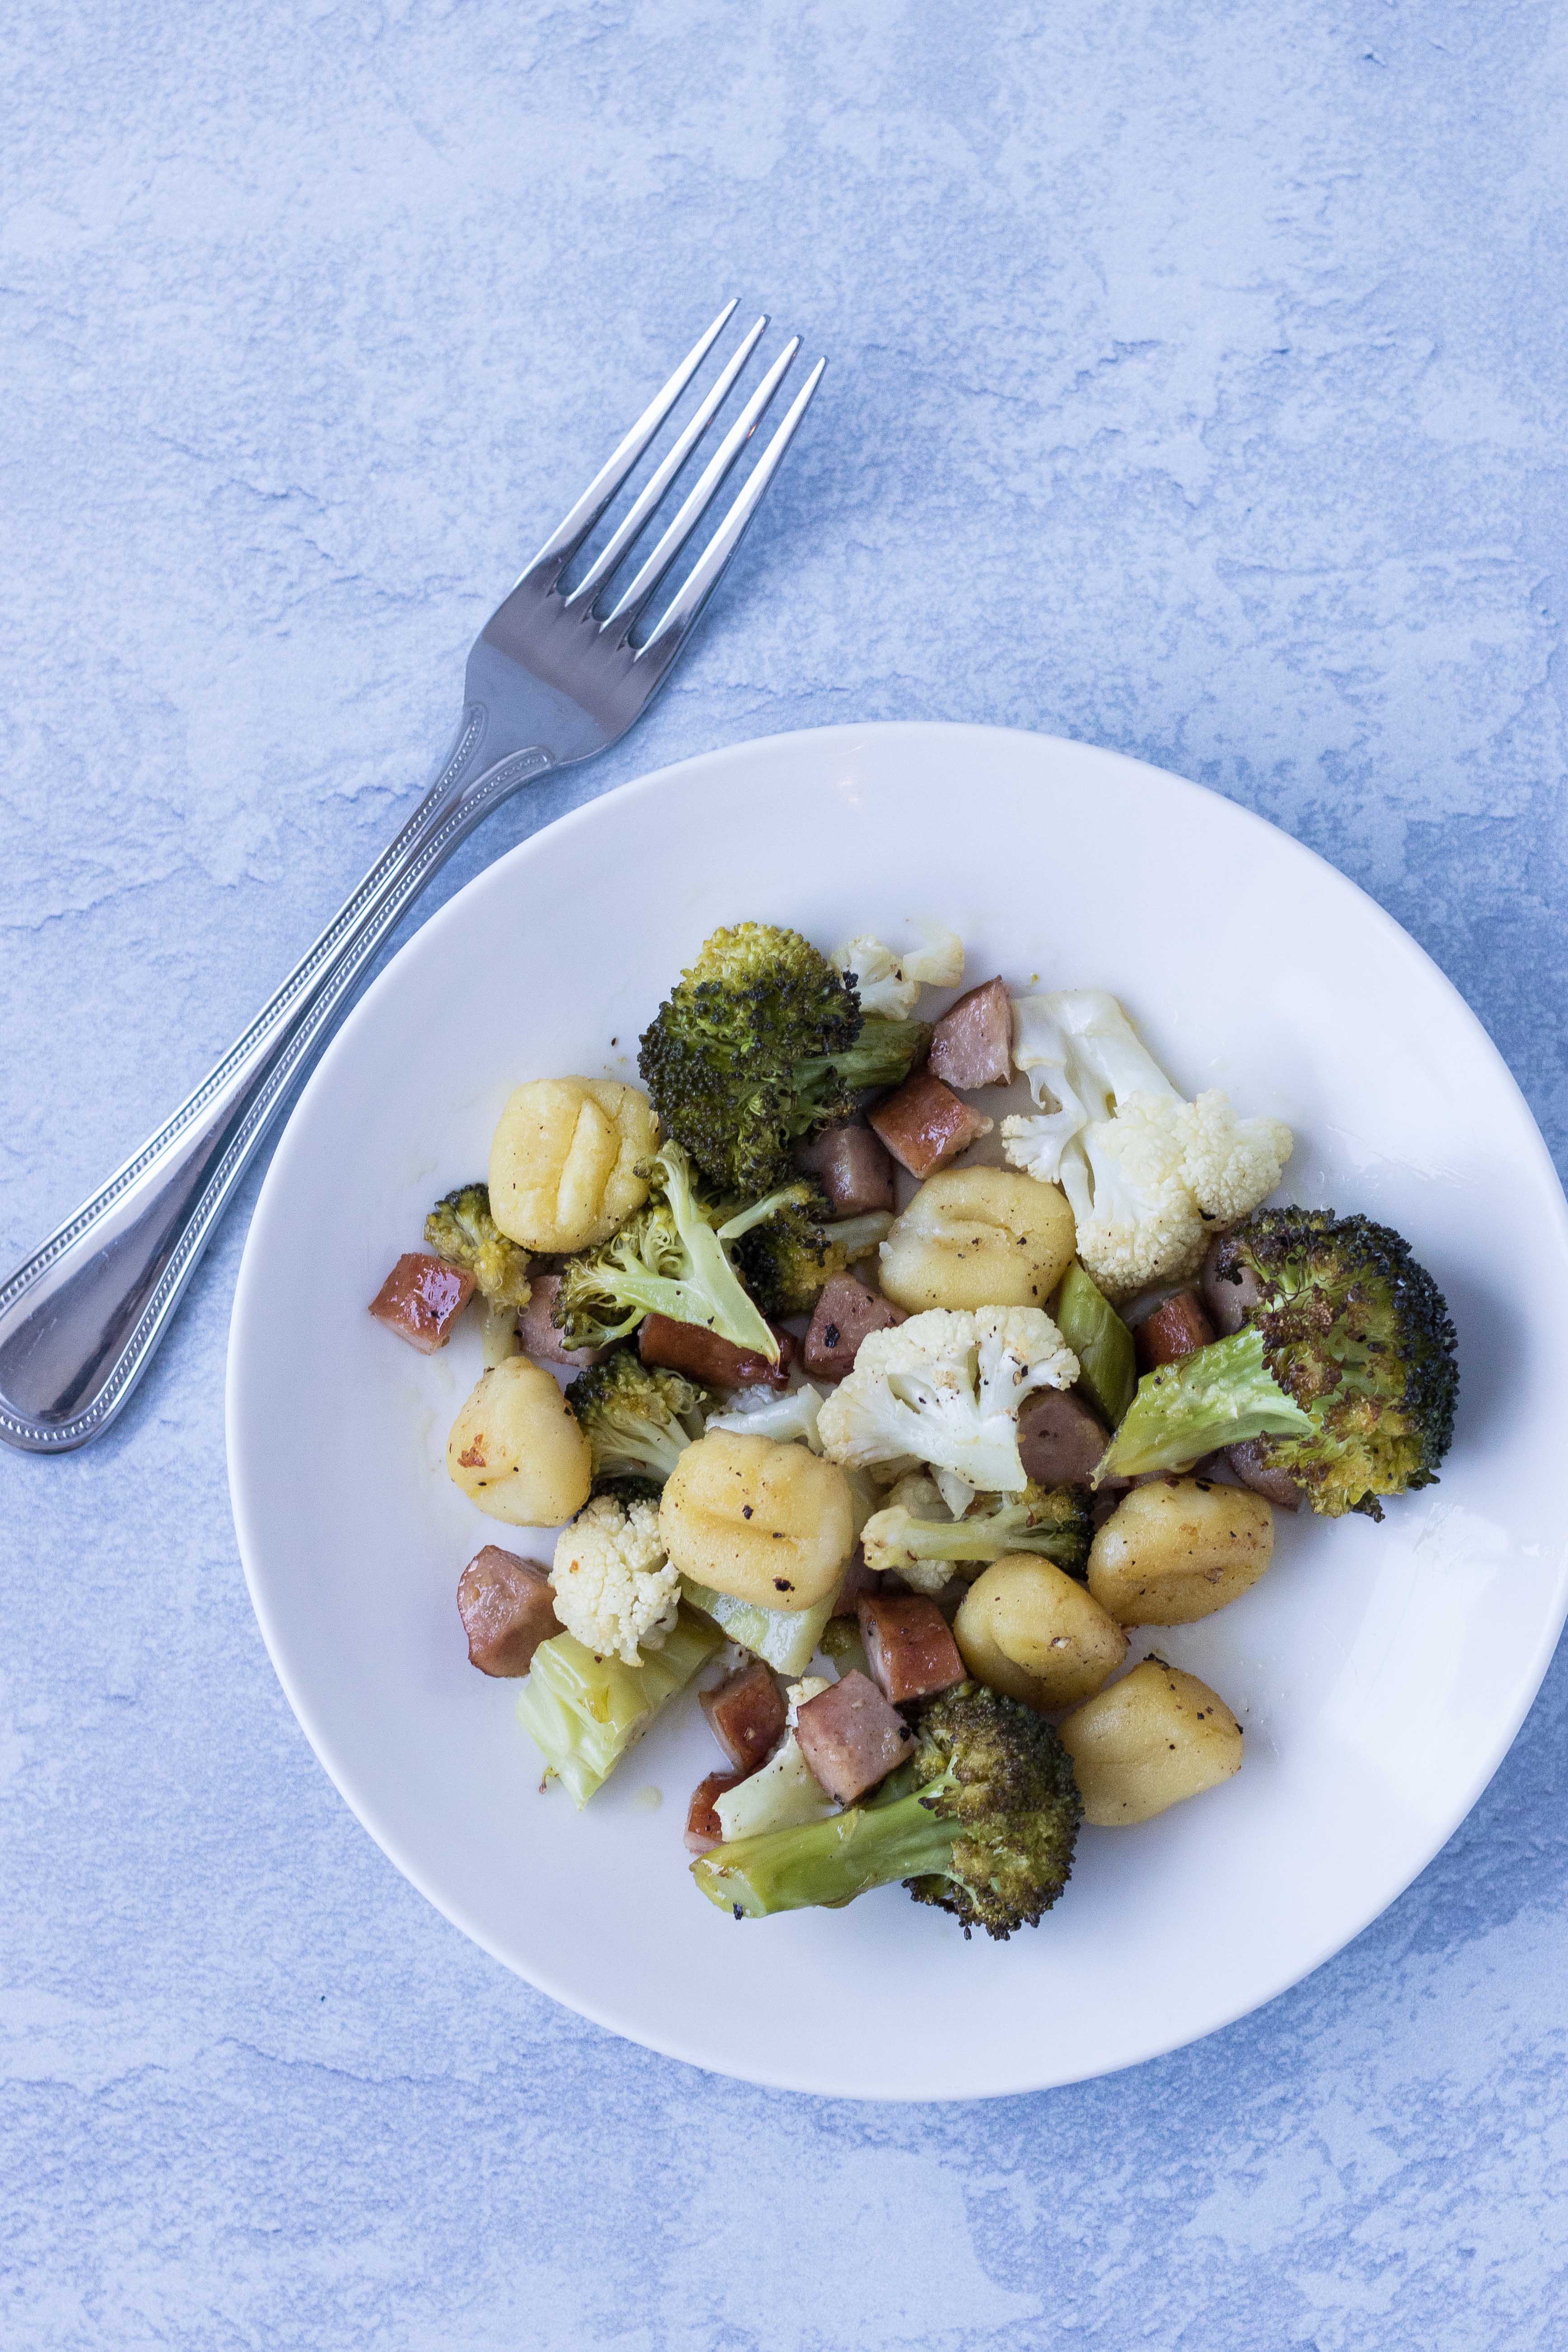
(362, 1806)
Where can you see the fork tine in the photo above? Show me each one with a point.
(574, 527)
(629, 605)
(627, 534)
(670, 631)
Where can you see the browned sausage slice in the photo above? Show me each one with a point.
(1251, 1466)
(421, 1299)
(851, 1737)
(703, 1356)
(857, 1579)
(845, 1312)
(1060, 1438)
(971, 1044)
(702, 1830)
(747, 1716)
(852, 1168)
(537, 1330)
(1230, 1298)
(909, 1648)
(507, 1608)
(924, 1125)
(1174, 1329)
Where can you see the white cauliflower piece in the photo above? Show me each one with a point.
(1150, 1176)
(890, 984)
(615, 1588)
(920, 1497)
(1229, 1163)
(945, 1389)
(764, 1413)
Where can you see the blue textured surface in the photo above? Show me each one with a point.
(1198, 387)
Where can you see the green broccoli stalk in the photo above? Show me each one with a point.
(829, 1086)
(757, 1044)
(638, 1420)
(1052, 1520)
(665, 1260)
(986, 1829)
(461, 1229)
(1343, 1367)
(788, 1255)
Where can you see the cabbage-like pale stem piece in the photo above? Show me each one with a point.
(583, 1713)
(785, 1639)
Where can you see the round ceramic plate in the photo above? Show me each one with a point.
(1380, 1671)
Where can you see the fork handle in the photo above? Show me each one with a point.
(82, 1319)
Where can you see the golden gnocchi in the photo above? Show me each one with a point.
(564, 1164)
(760, 1519)
(516, 1449)
(978, 1237)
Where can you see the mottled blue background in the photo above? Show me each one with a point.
(1197, 387)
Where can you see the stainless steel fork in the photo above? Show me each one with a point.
(554, 676)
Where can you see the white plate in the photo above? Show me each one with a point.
(1381, 1672)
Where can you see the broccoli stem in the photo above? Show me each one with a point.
(829, 1863)
(1219, 1395)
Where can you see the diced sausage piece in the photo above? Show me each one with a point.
(540, 1338)
(421, 1299)
(924, 1125)
(971, 1044)
(746, 1714)
(702, 1830)
(852, 1168)
(507, 1608)
(1174, 1329)
(1060, 1438)
(851, 1737)
(1251, 1466)
(845, 1313)
(857, 1579)
(703, 1356)
(1230, 1299)
(909, 1648)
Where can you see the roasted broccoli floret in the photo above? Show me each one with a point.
(759, 1041)
(638, 1420)
(917, 1539)
(981, 1822)
(788, 1256)
(1344, 1366)
(461, 1229)
(667, 1259)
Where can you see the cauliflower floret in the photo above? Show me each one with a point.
(1230, 1163)
(917, 1493)
(615, 1588)
(1151, 1177)
(764, 1413)
(890, 984)
(945, 1389)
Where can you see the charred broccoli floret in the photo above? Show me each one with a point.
(757, 1044)
(667, 1259)
(788, 1255)
(638, 1420)
(1344, 1366)
(981, 1822)
(461, 1229)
